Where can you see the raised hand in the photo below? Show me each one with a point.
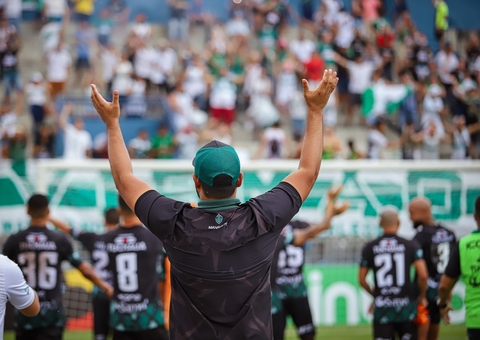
(332, 207)
(108, 111)
(318, 98)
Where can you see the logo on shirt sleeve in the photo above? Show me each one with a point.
(219, 219)
(26, 290)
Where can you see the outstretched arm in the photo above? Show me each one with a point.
(129, 186)
(304, 178)
(89, 273)
(301, 236)
(60, 225)
(64, 115)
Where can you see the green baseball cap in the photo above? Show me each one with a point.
(216, 158)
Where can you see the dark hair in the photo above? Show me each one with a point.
(124, 206)
(111, 216)
(351, 143)
(222, 187)
(477, 207)
(38, 206)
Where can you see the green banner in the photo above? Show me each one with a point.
(81, 196)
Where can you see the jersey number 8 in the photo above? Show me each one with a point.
(127, 272)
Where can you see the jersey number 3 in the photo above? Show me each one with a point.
(127, 272)
(385, 263)
(47, 272)
(443, 252)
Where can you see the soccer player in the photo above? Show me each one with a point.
(13, 288)
(289, 293)
(464, 262)
(221, 252)
(437, 243)
(390, 257)
(39, 252)
(99, 258)
(134, 255)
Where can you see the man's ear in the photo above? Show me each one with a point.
(47, 213)
(196, 181)
(240, 180)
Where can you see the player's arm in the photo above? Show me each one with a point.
(64, 227)
(64, 115)
(340, 60)
(129, 186)
(422, 279)
(362, 279)
(301, 236)
(447, 282)
(18, 292)
(89, 273)
(304, 178)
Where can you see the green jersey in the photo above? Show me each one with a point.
(465, 261)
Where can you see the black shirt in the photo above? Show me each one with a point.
(220, 261)
(437, 243)
(134, 258)
(288, 259)
(95, 244)
(39, 252)
(390, 257)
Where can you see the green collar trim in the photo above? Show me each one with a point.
(476, 231)
(219, 204)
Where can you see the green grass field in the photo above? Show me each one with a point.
(453, 332)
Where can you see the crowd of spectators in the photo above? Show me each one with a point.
(246, 72)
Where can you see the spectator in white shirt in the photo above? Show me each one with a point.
(78, 141)
(360, 72)
(164, 62)
(8, 124)
(122, 79)
(302, 48)
(377, 141)
(447, 62)
(59, 62)
(54, 10)
(141, 28)
(14, 289)
(238, 26)
(50, 35)
(187, 142)
(345, 28)
(36, 92)
(143, 61)
(140, 145)
(110, 60)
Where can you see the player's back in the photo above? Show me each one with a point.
(39, 252)
(391, 257)
(95, 244)
(134, 255)
(288, 261)
(437, 243)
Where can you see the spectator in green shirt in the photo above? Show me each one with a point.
(163, 144)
